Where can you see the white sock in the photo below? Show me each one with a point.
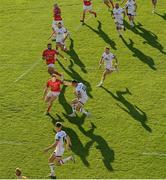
(52, 168)
(73, 109)
(66, 159)
(83, 111)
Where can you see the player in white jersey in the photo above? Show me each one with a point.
(60, 35)
(131, 7)
(60, 138)
(81, 98)
(154, 3)
(119, 14)
(107, 58)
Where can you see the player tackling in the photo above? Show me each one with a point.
(107, 58)
(80, 100)
(60, 138)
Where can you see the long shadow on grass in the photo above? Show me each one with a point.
(106, 152)
(134, 111)
(73, 55)
(75, 75)
(161, 15)
(149, 37)
(77, 147)
(103, 35)
(139, 54)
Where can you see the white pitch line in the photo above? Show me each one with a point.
(27, 71)
(154, 154)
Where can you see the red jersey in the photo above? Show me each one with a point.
(50, 56)
(87, 2)
(54, 86)
(57, 14)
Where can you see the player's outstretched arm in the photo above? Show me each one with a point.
(51, 146)
(45, 92)
(62, 56)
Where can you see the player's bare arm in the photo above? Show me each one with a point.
(101, 62)
(68, 142)
(45, 92)
(52, 146)
(62, 56)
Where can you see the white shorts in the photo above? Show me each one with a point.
(87, 8)
(50, 65)
(53, 94)
(83, 100)
(55, 23)
(131, 13)
(59, 152)
(110, 68)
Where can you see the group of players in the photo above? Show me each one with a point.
(53, 86)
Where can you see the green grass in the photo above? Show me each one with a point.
(128, 113)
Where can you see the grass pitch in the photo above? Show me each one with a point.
(125, 137)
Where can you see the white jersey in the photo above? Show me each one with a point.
(118, 15)
(81, 88)
(60, 137)
(130, 5)
(108, 58)
(60, 33)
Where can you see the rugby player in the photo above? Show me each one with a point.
(131, 7)
(107, 58)
(60, 35)
(50, 56)
(87, 7)
(57, 16)
(80, 100)
(19, 174)
(118, 14)
(60, 138)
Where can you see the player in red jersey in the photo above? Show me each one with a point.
(57, 16)
(87, 7)
(50, 55)
(52, 91)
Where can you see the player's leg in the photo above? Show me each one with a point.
(80, 108)
(131, 20)
(154, 3)
(105, 73)
(73, 106)
(51, 160)
(83, 15)
(50, 103)
(93, 12)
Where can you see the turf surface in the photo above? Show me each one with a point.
(126, 135)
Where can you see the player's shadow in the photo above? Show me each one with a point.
(161, 15)
(73, 55)
(149, 37)
(102, 35)
(134, 111)
(139, 54)
(77, 147)
(75, 75)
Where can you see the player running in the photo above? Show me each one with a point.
(80, 100)
(60, 35)
(52, 91)
(154, 3)
(118, 14)
(60, 138)
(107, 58)
(131, 7)
(50, 56)
(108, 2)
(87, 7)
(57, 16)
